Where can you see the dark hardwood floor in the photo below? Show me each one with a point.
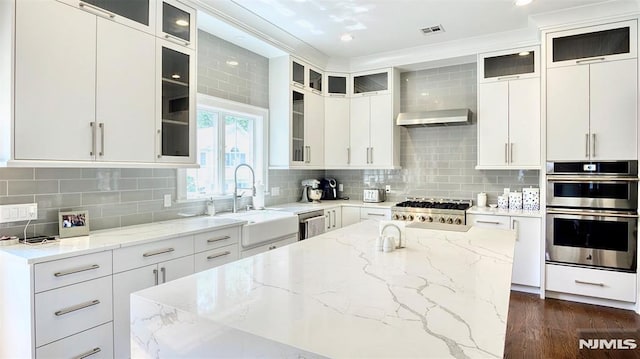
(551, 328)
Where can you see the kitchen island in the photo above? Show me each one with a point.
(445, 295)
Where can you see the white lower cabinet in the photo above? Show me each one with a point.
(216, 257)
(377, 214)
(350, 215)
(268, 247)
(72, 309)
(333, 218)
(95, 343)
(526, 256)
(591, 282)
(134, 280)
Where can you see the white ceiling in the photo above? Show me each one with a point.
(387, 25)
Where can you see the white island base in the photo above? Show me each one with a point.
(445, 295)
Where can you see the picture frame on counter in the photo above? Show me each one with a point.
(73, 224)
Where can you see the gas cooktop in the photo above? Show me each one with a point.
(449, 211)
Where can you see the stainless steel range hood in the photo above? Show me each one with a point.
(435, 118)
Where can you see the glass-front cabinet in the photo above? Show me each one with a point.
(176, 23)
(374, 82)
(139, 14)
(315, 81)
(336, 84)
(298, 147)
(297, 73)
(177, 103)
(509, 64)
(607, 42)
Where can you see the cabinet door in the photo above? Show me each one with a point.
(350, 215)
(125, 94)
(176, 268)
(336, 84)
(314, 129)
(336, 214)
(175, 69)
(298, 145)
(327, 220)
(336, 132)
(139, 14)
(54, 81)
(568, 113)
(297, 73)
(526, 258)
(524, 122)
(614, 94)
(493, 124)
(359, 130)
(124, 284)
(176, 23)
(371, 82)
(381, 130)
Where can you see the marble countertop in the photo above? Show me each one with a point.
(503, 212)
(445, 295)
(116, 238)
(299, 207)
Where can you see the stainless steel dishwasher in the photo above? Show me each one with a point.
(311, 223)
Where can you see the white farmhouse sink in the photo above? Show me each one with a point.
(265, 226)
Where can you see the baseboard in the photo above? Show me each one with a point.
(591, 300)
(525, 288)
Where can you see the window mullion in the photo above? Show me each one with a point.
(222, 123)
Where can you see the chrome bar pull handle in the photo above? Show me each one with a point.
(508, 78)
(76, 270)
(328, 220)
(163, 270)
(593, 145)
(586, 141)
(155, 275)
(93, 138)
(89, 353)
(515, 225)
(348, 155)
(217, 255)
(213, 240)
(488, 222)
(77, 307)
(511, 152)
(589, 283)
(160, 251)
(506, 153)
(96, 10)
(371, 154)
(590, 60)
(101, 125)
(176, 39)
(334, 218)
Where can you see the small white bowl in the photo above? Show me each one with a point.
(493, 205)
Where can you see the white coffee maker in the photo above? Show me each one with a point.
(310, 191)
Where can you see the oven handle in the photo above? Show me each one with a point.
(582, 179)
(592, 214)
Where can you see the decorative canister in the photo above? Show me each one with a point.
(503, 202)
(531, 199)
(515, 200)
(482, 199)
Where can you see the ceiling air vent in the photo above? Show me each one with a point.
(431, 30)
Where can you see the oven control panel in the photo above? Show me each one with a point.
(410, 216)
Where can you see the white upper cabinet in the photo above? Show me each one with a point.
(315, 80)
(373, 135)
(176, 23)
(337, 151)
(509, 109)
(592, 100)
(372, 82)
(606, 42)
(54, 89)
(139, 14)
(336, 84)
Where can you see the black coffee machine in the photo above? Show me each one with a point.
(329, 188)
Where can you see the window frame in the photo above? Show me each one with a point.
(261, 142)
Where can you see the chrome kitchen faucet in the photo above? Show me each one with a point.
(235, 185)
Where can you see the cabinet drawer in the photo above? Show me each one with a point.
(65, 311)
(268, 247)
(151, 253)
(94, 343)
(72, 270)
(591, 282)
(377, 214)
(216, 257)
(216, 239)
(498, 222)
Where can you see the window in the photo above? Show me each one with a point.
(228, 134)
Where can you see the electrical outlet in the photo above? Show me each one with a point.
(387, 188)
(167, 200)
(275, 191)
(18, 212)
(340, 187)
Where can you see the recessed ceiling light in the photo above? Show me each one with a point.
(232, 62)
(175, 76)
(522, 2)
(524, 53)
(182, 22)
(346, 37)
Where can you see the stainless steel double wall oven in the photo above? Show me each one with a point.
(592, 213)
